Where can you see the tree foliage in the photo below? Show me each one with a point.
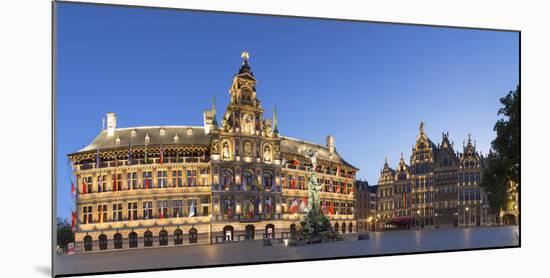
(65, 234)
(504, 158)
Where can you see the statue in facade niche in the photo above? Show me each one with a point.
(267, 154)
(225, 151)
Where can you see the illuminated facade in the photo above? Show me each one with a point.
(175, 185)
(439, 188)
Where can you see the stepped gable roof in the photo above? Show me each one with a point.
(298, 147)
(187, 135)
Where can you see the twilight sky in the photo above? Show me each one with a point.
(368, 84)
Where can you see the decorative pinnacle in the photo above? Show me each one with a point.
(421, 127)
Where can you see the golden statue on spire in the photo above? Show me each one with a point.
(245, 56)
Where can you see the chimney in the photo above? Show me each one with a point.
(111, 123)
(330, 143)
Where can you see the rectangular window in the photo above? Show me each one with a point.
(177, 208)
(147, 180)
(192, 207)
(133, 211)
(162, 209)
(301, 182)
(87, 215)
(162, 179)
(191, 177)
(88, 184)
(116, 181)
(177, 178)
(148, 210)
(117, 212)
(102, 183)
(204, 176)
(102, 213)
(132, 180)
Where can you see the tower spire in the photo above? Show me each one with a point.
(214, 122)
(275, 128)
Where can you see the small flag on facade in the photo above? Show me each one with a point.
(84, 189)
(99, 182)
(192, 209)
(294, 206)
(97, 159)
(73, 190)
(161, 154)
(114, 182)
(73, 220)
(130, 152)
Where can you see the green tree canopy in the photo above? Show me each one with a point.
(65, 234)
(504, 158)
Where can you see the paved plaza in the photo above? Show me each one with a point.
(403, 241)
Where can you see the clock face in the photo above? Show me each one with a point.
(247, 148)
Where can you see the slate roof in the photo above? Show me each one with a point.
(187, 135)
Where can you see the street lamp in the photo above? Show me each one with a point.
(436, 221)
(468, 217)
(210, 216)
(418, 219)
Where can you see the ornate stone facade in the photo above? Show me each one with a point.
(439, 188)
(172, 185)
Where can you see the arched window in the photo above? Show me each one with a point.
(148, 239)
(248, 180)
(350, 228)
(163, 238)
(249, 232)
(228, 233)
(87, 243)
(118, 241)
(344, 228)
(292, 230)
(178, 237)
(268, 181)
(102, 242)
(336, 227)
(133, 240)
(269, 231)
(193, 235)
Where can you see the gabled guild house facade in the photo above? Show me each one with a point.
(230, 181)
(441, 187)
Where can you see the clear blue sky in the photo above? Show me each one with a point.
(367, 84)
